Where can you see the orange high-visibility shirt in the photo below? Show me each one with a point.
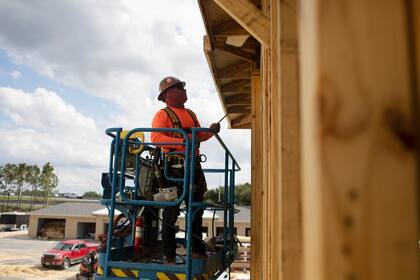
(162, 120)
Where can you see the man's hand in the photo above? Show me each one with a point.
(215, 127)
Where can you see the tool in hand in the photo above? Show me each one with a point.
(223, 117)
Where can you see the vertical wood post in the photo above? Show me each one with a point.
(281, 236)
(257, 191)
(359, 161)
(286, 140)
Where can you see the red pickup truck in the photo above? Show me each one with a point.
(67, 252)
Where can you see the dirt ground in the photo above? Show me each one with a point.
(33, 272)
(20, 260)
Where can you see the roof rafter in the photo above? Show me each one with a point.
(230, 27)
(249, 17)
(246, 109)
(242, 121)
(238, 86)
(234, 70)
(238, 99)
(235, 51)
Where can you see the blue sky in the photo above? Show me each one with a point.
(70, 69)
(29, 80)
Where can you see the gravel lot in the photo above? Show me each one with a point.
(20, 258)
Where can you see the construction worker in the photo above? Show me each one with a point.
(173, 93)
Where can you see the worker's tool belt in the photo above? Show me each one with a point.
(175, 161)
(176, 169)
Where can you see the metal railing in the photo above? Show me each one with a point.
(117, 174)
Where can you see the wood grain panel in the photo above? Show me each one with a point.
(359, 181)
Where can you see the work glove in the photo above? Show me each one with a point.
(215, 127)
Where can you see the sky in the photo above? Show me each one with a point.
(69, 69)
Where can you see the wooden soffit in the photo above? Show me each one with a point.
(231, 48)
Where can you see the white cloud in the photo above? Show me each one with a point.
(99, 46)
(44, 128)
(16, 75)
(118, 50)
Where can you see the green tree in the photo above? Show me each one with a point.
(48, 182)
(3, 186)
(242, 195)
(9, 178)
(92, 194)
(33, 178)
(214, 195)
(20, 179)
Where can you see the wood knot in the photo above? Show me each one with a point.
(400, 127)
(348, 221)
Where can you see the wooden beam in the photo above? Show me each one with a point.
(257, 189)
(236, 86)
(233, 70)
(239, 109)
(210, 60)
(236, 40)
(206, 44)
(360, 176)
(240, 117)
(242, 126)
(249, 17)
(242, 121)
(238, 99)
(235, 51)
(230, 27)
(236, 76)
(250, 44)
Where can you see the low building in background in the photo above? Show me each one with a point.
(13, 220)
(90, 219)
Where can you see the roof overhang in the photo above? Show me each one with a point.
(231, 51)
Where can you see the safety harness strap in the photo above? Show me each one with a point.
(193, 117)
(176, 123)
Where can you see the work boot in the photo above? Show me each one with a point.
(168, 260)
(164, 260)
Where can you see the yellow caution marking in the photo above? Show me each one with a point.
(121, 272)
(118, 272)
(178, 276)
(134, 274)
(162, 276)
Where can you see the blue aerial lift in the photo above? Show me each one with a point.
(131, 184)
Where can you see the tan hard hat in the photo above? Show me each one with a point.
(166, 83)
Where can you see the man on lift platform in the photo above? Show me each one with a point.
(175, 115)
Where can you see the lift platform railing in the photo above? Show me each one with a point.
(229, 197)
(190, 146)
(114, 157)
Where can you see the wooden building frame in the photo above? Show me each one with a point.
(330, 91)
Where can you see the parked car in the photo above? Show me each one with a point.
(67, 253)
(71, 195)
(14, 227)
